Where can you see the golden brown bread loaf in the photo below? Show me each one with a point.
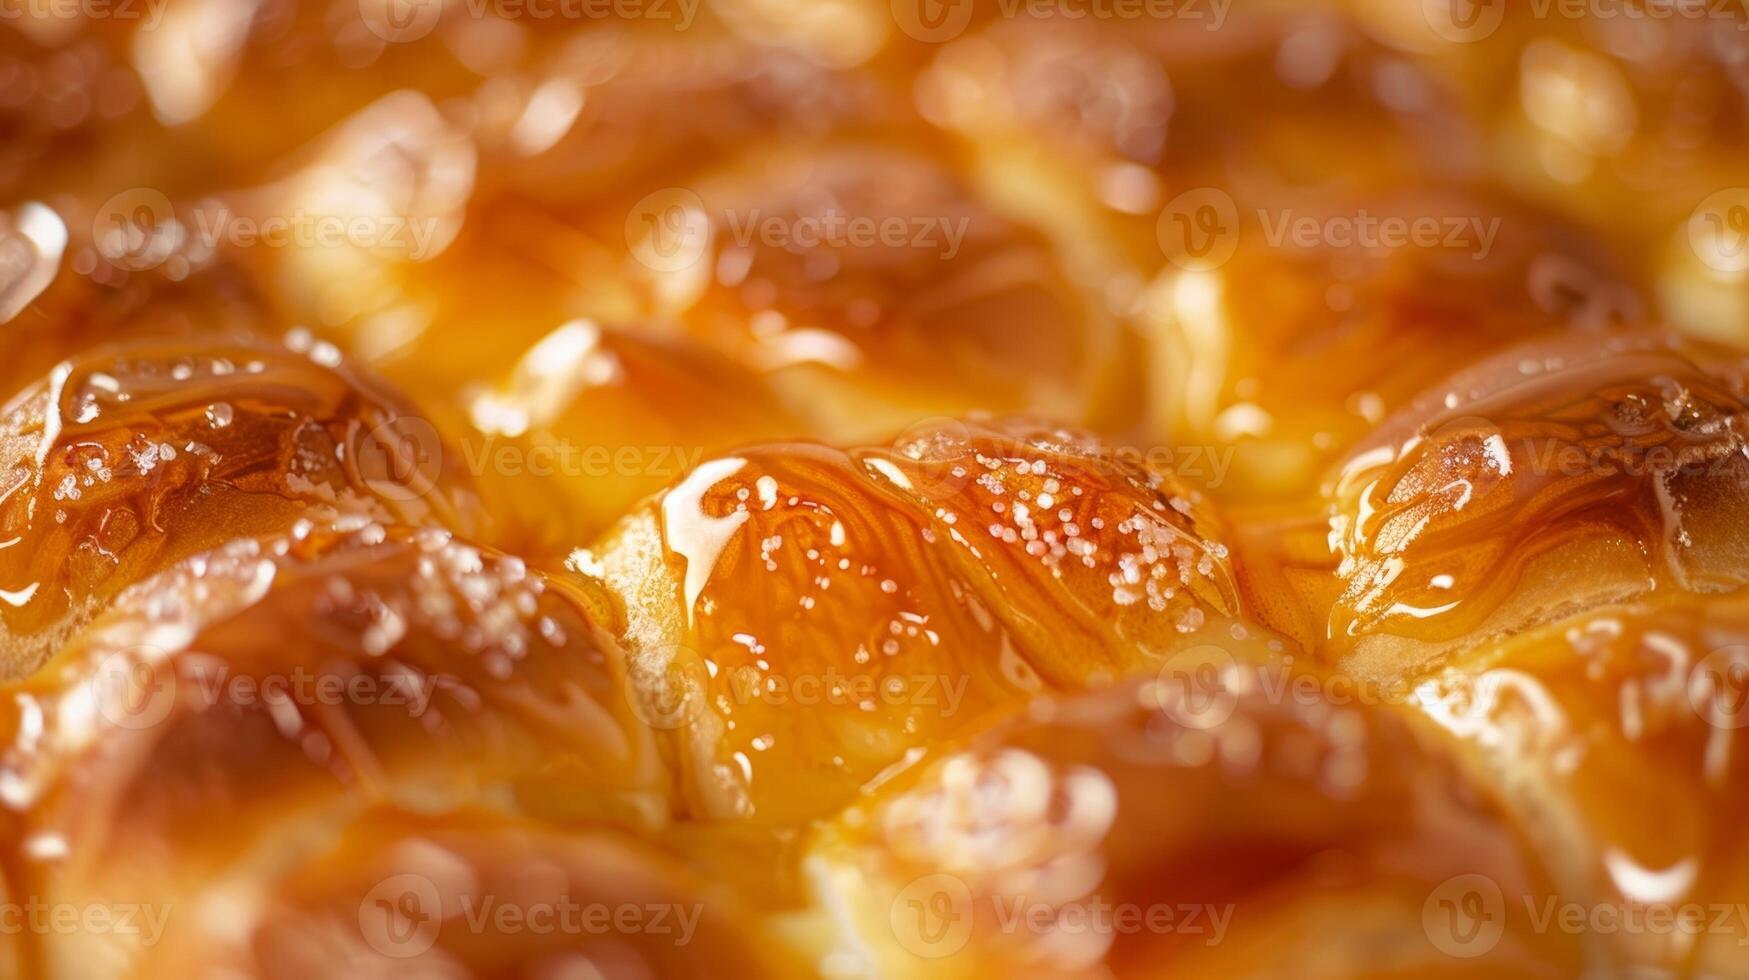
(867, 489)
(815, 625)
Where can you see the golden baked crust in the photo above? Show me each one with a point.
(938, 488)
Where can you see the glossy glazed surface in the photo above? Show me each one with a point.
(873, 489)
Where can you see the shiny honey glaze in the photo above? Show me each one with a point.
(868, 489)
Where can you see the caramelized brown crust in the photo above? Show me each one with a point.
(313, 673)
(1549, 479)
(592, 419)
(866, 285)
(658, 104)
(1617, 738)
(1119, 552)
(875, 288)
(1091, 124)
(535, 181)
(476, 895)
(805, 617)
(1208, 822)
(1331, 313)
(349, 682)
(1619, 114)
(84, 275)
(124, 460)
